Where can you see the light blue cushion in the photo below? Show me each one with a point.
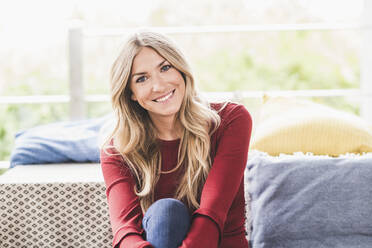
(61, 142)
(308, 201)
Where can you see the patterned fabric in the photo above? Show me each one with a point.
(56, 206)
(54, 215)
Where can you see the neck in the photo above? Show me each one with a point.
(168, 128)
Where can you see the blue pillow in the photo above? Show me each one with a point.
(303, 201)
(62, 142)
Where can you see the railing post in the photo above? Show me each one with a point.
(75, 40)
(366, 63)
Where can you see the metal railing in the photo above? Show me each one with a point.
(365, 91)
(4, 164)
(78, 33)
(232, 95)
(222, 29)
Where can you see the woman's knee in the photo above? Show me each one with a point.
(166, 223)
(168, 204)
(167, 211)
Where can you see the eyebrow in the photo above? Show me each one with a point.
(141, 73)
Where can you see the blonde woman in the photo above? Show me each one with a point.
(173, 165)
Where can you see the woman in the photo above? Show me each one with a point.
(173, 165)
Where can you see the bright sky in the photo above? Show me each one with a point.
(24, 24)
(329, 10)
(335, 9)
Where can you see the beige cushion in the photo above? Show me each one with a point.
(287, 125)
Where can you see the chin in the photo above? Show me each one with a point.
(169, 112)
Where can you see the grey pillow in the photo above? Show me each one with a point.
(300, 201)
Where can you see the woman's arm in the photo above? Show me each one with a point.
(223, 181)
(124, 207)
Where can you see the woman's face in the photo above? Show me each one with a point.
(156, 85)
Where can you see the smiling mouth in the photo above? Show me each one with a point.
(163, 99)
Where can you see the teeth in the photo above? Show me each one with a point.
(164, 98)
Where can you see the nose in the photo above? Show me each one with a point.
(158, 84)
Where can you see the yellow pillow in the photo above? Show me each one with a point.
(287, 125)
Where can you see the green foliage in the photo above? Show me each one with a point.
(98, 109)
(291, 61)
(271, 61)
(15, 118)
(2, 171)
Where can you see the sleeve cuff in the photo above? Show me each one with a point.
(132, 234)
(203, 233)
(134, 240)
(214, 217)
(211, 214)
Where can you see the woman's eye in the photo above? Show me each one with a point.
(165, 67)
(141, 79)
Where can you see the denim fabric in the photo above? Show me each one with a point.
(166, 223)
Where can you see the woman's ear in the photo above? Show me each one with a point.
(133, 96)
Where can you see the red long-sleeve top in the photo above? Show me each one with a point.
(219, 221)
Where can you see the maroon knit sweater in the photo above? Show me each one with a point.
(219, 222)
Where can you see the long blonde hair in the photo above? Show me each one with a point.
(134, 135)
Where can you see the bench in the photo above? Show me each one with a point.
(54, 205)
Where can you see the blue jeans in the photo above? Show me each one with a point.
(166, 223)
